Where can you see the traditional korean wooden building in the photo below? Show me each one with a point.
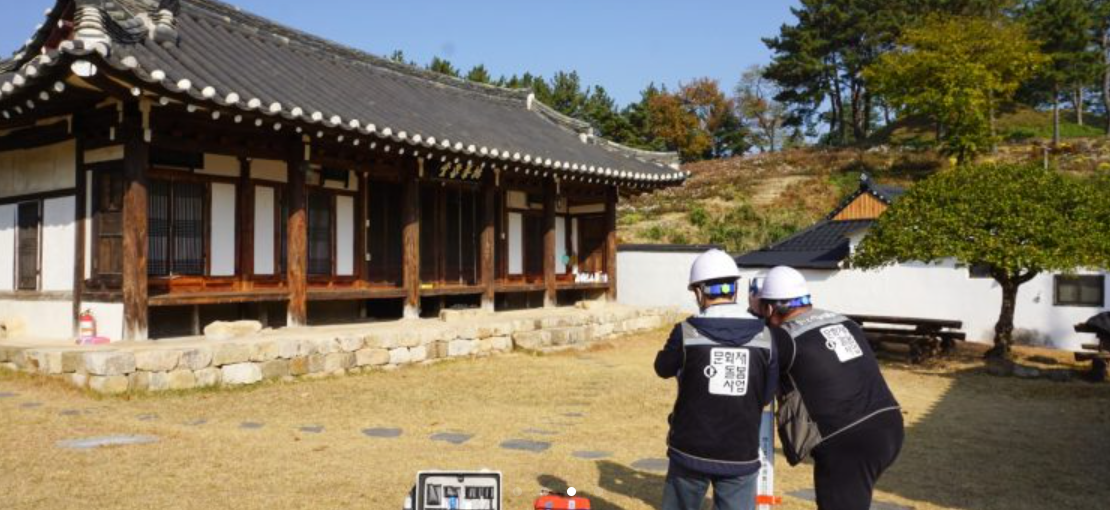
(165, 163)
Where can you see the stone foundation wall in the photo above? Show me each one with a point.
(324, 351)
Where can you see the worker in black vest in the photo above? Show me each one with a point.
(825, 358)
(724, 361)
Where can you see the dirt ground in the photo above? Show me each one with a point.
(973, 441)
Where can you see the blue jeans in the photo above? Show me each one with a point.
(685, 490)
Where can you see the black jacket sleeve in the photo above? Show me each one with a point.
(784, 352)
(772, 378)
(669, 360)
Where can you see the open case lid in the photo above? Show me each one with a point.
(463, 490)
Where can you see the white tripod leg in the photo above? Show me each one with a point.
(765, 493)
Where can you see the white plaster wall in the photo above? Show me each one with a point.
(655, 279)
(109, 319)
(7, 247)
(345, 235)
(58, 231)
(516, 243)
(223, 230)
(38, 319)
(937, 291)
(263, 230)
(37, 170)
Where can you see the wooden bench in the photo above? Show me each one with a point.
(1098, 353)
(912, 337)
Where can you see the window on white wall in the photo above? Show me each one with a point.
(29, 219)
(1080, 290)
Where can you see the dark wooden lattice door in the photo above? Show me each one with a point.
(28, 243)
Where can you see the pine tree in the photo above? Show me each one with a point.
(442, 66)
(1064, 28)
(478, 74)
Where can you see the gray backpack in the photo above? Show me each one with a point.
(797, 432)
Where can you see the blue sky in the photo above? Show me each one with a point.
(622, 45)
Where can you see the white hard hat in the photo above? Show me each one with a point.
(783, 283)
(713, 265)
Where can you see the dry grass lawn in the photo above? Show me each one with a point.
(973, 442)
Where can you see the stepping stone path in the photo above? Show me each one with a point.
(804, 494)
(70, 412)
(251, 425)
(312, 429)
(96, 442)
(147, 417)
(451, 437)
(31, 405)
(651, 465)
(526, 445)
(8, 394)
(588, 454)
(540, 432)
(197, 422)
(382, 432)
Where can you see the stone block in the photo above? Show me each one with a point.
(159, 381)
(207, 377)
(46, 361)
(350, 343)
(338, 361)
(409, 337)
(9, 366)
(437, 350)
(399, 356)
(221, 330)
(240, 373)
(157, 360)
(492, 329)
(384, 339)
(181, 379)
(73, 361)
(139, 381)
(195, 358)
(485, 345)
(298, 365)
(109, 363)
(502, 343)
(466, 331)
(450, 315)
(532, 340)
(326, 345)
(274, 369)
(430, 334)
(230, 354)
(371, 357)
(599, 331)
(79, 380)
(109, 385)
(418, 353)
(591, 304)
(523, 325)
(568, 336)
(457, 348)
(265, 350)
(316, 363)
(288, 348)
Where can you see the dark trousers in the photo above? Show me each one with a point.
(685, 490)
(848, 465)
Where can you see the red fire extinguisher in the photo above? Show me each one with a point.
(86, 325)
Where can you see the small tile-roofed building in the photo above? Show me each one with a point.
(164, 163)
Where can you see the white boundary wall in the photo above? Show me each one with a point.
(939, 291)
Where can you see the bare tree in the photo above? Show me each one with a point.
(755, 100)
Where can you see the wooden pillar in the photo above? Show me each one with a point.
(611, 199)
(80, 212)
(244, 235)
(361, 256)
(297, 235)
(549, 243)
(410, 255)
(136, 159)
(488, 244)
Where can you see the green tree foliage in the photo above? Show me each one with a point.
(1019, 221)
(1065, 29)
(478, 74)
(442, 66)
(954, 71)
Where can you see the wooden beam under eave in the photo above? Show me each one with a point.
(297, 236)
(136, 160)
(549, 195)
(410, 243)
(611, 199)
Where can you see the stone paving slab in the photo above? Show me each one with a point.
(312, 429)
(251, 425)
(658, 465)
(30, 405)
(70, 412)
(540, 432)
(197, 422)
(591, 454)
(8, 394)
(147, 417)
(451, 437)
(382, 432)
(526, 445)
(97, 442)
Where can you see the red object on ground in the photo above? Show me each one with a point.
(558, 502)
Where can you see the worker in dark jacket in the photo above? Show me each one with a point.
(724, 361)
(826, 358)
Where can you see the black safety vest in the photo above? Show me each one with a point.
(827, 358)
(721, 394)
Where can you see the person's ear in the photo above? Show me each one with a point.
(697, 295)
